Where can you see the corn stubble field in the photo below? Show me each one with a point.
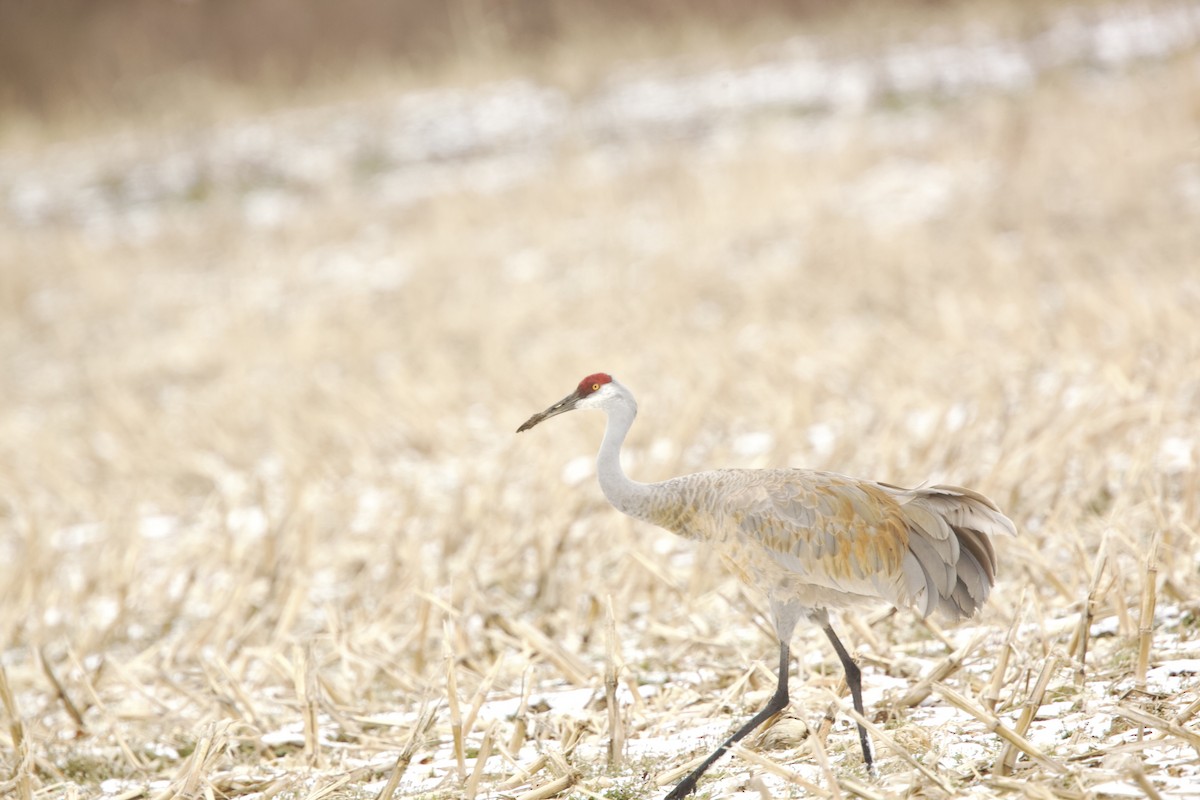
(267, 531)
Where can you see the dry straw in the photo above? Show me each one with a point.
(265, 528)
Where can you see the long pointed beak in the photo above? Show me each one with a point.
(561, 407)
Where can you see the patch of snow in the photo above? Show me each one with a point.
(76, 537)
(268, 208)
(1116, 789)
(369, 509)
(1054, 710)
(1176, 454)
(956, 417)
(1172, 677)
(695, 737)
(1182, 666)
(248, 521)
(921, 423)
(662, 449)
(578, 470)
(758, 443)
(158, 526)
(1046, 734)
(489, 138)
(821, 438)
(938, 713)
(904, 193)
(161, 750)
(1109, 626)
(1098, 725)
(962, 751)
(282, 737)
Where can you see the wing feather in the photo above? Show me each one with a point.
(929, 547)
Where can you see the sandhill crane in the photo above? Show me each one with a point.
(815, 542)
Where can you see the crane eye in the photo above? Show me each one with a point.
(595, 387)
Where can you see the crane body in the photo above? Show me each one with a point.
(814, 542)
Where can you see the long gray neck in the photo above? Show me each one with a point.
(628, 496)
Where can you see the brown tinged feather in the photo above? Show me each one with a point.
(814, 542)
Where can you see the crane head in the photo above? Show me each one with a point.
(587, 388)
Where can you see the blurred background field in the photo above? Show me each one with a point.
(278, 281)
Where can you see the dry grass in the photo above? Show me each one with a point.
(266, 529)
(142, 64)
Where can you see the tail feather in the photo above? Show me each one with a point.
(950, 530)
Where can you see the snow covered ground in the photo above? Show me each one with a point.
(421, 144)
(261, 502)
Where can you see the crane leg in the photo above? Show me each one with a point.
(777, 703)
(854, 681)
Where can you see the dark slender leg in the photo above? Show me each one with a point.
(777, 703)
(854, 681)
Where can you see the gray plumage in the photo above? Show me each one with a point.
(814, 541)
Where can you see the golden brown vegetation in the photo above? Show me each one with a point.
(265, 526)
(78, 63)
